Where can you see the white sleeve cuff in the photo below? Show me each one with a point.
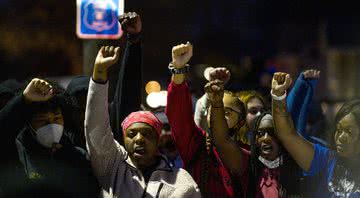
(278, 98)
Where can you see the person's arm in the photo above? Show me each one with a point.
(300, 149)
(127, 97)
(300, 97)
(16, 112)
(202, 104)
(230, 152)
(9, 115)
(186, 134)
(200, 116)
(100, 143)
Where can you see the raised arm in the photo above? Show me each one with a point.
(127, 97)
(300, 97)
(100, 143)
(16, 112)
(202, 104)
(186, 134)
(230, 152)
(300, 149)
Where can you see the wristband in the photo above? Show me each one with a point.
(183, 70)
(278, 98)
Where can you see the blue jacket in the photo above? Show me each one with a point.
(298, 102)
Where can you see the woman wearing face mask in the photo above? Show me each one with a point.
(272, 172)
(338, 168)
(48, 158)
(298, 101)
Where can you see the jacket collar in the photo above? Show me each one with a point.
(163, 165)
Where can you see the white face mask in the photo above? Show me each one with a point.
(49, 134)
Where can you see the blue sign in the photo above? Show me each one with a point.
(98, 19)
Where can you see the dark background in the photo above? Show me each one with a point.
(38, 38)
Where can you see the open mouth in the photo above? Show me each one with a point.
(139, 150)
(267, 149)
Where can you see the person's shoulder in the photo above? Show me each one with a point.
(183, 176)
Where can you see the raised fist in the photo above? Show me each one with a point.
(38, 91)
(280, 83)
(181, 54)
(215, 91)
(106, 57)
(220, 73)
(130, 22)
(311, 74)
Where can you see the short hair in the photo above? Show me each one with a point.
(59, 100)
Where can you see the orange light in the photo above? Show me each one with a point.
(152, 86)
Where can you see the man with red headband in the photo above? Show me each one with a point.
(138, 170)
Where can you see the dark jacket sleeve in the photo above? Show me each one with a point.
(298, 102)
(127, 96)
(13, 117)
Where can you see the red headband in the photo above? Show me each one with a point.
(144, 117)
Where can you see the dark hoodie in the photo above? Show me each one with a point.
(12, 174)
(27, 161)
(75, 113)
(8, 89)
(66, 169)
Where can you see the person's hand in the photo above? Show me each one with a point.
(280, 83)
(38, 91)
(215, 91)
(181, 54)
(106, 57)
(311, 74)
(220, 73)
(130, 23)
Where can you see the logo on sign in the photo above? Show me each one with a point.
(98, 19)
(99, 15)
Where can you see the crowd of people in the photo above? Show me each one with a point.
(78, 142)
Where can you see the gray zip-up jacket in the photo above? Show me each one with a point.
(116, 173)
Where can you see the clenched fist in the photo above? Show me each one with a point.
(220, 73)
(130, 22)
(38, 90)
(311, 74)
(215, 91)
(280, 83)
(181, 54)
(106, 57)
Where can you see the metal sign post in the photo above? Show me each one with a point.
(97, 20)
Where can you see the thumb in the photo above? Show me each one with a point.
(49, 94)
(288, 81)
